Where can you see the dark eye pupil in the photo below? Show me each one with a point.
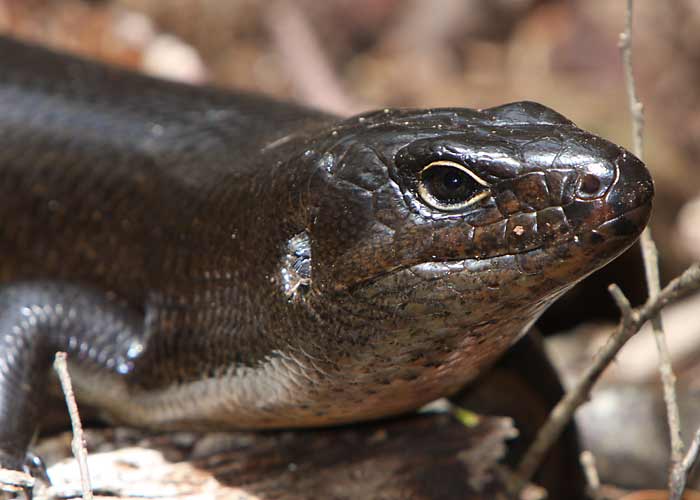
(452, 180)
(449, 185)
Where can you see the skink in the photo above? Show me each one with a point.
(218, 260)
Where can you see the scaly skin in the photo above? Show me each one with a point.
(219, 260)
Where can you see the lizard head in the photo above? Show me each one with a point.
(436, 238)
(456, 196)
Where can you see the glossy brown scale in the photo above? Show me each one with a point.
(508, 202)
(532, 190)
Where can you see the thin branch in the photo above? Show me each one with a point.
(623, 304)
(305, 61)
(636, 108)
(78, 442)
(679, 473)
(588, 463)
(562, 413)
(692, 455)
(651, 267)
(523, 489)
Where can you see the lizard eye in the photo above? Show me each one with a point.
(449, 186)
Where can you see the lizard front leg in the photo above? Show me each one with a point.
(38, 319)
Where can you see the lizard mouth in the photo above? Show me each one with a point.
(572, 256)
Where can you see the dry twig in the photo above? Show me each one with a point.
(632, 320)
(305, 61)
(592, 478)
(78, 443)
(691, 455)
(678, 475)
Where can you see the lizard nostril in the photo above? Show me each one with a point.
(589, 184)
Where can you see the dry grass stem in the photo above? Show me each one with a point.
(78, 443)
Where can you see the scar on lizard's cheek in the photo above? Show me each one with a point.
(295, 269)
